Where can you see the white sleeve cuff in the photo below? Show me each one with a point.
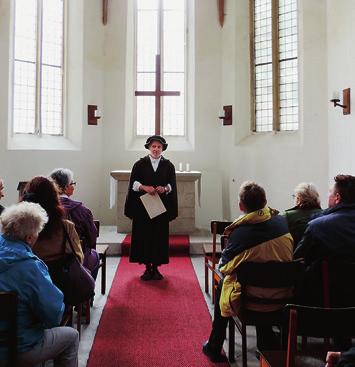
(136, 185)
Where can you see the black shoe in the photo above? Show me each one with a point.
(147, 275)
(215, 357)
(157, 275)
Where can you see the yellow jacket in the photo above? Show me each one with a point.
(269, 241)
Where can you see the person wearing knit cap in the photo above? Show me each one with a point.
(153, 175)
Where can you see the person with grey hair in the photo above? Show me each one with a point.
(80, 215)
(1, 194)
(40, 302)
(306, 207)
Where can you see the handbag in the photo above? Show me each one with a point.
(71, 277)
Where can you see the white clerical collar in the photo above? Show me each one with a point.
(64, 196)
(154, 159)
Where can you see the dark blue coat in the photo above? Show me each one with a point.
(332, 235)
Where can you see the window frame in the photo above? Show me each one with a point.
(38, 68)
(275, 65)
(160, 48)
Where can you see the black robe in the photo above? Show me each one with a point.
(150, 237)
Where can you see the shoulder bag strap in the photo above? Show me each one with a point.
(68, 239)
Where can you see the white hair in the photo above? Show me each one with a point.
(308, 194)
(23, 219)
(62, 178)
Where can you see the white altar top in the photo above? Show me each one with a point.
(186, 187)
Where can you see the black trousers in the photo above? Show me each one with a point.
(265, 336)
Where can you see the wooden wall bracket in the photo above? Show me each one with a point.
(92, 115)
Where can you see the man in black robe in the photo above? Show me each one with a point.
(154, 175)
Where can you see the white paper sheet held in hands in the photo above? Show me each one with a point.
(153, 205)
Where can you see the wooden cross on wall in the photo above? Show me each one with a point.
(104, 11)
(157, 93)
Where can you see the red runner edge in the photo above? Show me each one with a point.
(179, 245)
(153, 323)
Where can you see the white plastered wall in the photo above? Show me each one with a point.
(341, 75)
(226, 155)
(82, 149)
(277, 161)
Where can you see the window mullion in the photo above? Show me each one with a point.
(160, 52)
(252, 63)
(38, 125)
(275, 66)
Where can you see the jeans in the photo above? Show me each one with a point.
(59, 344)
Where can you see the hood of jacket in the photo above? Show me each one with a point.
(13, 252)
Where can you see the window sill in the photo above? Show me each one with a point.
(44, 142)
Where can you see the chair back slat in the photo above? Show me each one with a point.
(338, 283)
(218, 226)
(321, 322)
(97, 224)
(8, 324)
(272, 274)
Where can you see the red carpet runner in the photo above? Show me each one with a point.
(154, 323)
(178, 245)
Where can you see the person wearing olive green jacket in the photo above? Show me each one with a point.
(307, 207)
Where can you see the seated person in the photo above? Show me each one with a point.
(59, 235)
(330, 236)
(338, 359)
(259, 235)
(307, 205)
(1, 194)
(40, 302)
(80, 215)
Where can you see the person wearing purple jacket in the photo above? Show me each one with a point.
(80, 215)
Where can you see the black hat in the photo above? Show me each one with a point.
(158, 138)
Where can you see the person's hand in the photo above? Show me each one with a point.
(160, 189)
(148, 189)
(332, 359)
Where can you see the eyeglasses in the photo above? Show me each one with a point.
(73, 183)
(293, 196)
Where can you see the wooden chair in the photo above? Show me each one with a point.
(338, 283)
(102, 251)
(212, 252)
(21, 189)
(8, 330)
(263, 275)
(313, 322)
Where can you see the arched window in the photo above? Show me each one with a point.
(160, 34)
(37, 106)
(274, 65)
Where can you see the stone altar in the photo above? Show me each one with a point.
(186, 186)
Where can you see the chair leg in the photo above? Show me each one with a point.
(103, 274)
(213, 289)
(78, 318)
(231, 340)
(87, 315)
(206, 276)
(244, 346)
